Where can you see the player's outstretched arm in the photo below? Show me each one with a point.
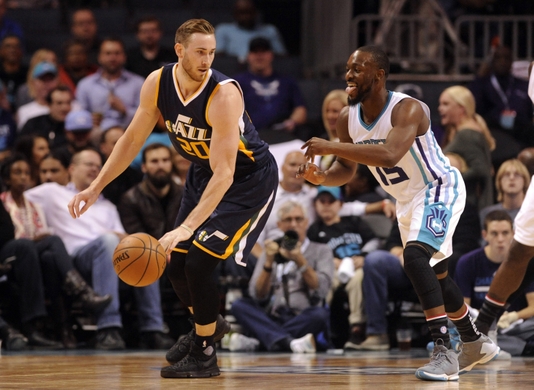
(126, 148)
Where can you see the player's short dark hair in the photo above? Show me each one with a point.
(192, 26)
(497, 215)
(379, 57)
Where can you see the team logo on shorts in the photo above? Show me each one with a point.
(204, 236)
(436, 222)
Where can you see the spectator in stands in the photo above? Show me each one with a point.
(468, 136)
(7, 25)
(363, 187)
(502, 99)
(83, 28)
(59, 275)
(511, 182)
(43, 80)
(78, 130)
(112, 93)
(91, 241)
(291, 279)
(152, 205)
(476, 269)
(273, 101)
(233, 39)
(52, 125)
(25, 93)
(350, 239)
(54, 168)
(148, 55)
(333, 103)
(13, 71)
(128, 178)
(34, 147)
(20, 263)
(526, 156)
(75, 65)
(8, 128)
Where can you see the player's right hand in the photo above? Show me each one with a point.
(87, 196)
(311, 173)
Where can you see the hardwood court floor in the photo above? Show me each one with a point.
(85, 369)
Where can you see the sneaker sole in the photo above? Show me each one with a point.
(419, 374)
(191, 374)
(485, 359)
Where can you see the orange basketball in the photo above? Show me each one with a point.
(139, 259)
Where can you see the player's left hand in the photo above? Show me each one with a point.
(311, 173)
(172, 238)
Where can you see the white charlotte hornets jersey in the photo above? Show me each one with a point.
(423, 167)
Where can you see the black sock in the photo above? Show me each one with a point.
(467, 329)
(489, 312)
(438, 330)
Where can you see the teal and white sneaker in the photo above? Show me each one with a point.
(476, 352)
(443, 365)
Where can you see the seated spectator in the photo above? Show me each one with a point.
(25, 93)
(34, 147)
(128, 178)
(78, 132)
(350, 239)
(20, 264)
(91, 241)
(60, 276)
(152, 205)
(54, 168)
(148, 55)
(52, 125)
(333, 103)
(233, 38)
(511, 182)
(503, 101)
(7, 25)
(112, 93)
(476, 269)
(13, 71)
(363, 187)
(43, 80)
(273, 101)
(84, 28)
(468, 136)
(75, 65)
(291, 279)
(180, 167)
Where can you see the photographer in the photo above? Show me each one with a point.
(288, 287)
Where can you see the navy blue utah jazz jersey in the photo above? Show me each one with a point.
(189, 128)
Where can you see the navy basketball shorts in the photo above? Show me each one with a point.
(235, 225)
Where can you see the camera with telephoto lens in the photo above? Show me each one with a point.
(288, 241)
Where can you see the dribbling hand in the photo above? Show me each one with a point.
(87, 196)
(172, 238)
(311, 173)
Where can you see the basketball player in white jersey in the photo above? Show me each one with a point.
(390, 132)
(518, 268)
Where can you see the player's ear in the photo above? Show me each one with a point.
(179, 49)
(380, 74)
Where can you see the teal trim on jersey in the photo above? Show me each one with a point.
(419, 165)
(370, 127)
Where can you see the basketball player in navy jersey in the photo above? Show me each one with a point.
(229, 190)
(390, 132)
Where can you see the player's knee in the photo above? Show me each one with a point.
(416, 258)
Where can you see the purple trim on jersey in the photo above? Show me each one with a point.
(425, 159)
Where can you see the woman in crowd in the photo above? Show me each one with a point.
(467, 135)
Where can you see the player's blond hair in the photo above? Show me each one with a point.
(188, 28)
